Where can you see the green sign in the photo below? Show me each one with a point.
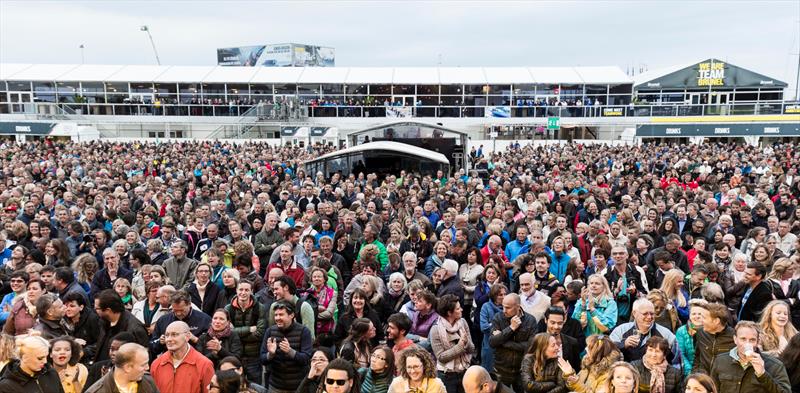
(553, 123)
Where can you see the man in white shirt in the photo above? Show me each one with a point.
(532, 301)
(787, 239)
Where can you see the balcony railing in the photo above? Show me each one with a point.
(285, 112)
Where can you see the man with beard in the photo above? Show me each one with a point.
(287, 349)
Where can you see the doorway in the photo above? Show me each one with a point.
(20, 102)
(404, 100)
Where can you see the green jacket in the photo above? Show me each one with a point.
(383, 255)
(731, 377)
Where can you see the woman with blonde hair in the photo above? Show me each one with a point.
(30, 368)
(665, 313)
(85, 266)
(777, 327)
(440, 251)
(601, 354)
(540, 371)
(672, 285)
(596, 310)
(624, 378)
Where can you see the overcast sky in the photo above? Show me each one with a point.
(761, 35)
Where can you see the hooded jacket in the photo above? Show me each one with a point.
(14, 380)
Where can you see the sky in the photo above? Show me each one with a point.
(763, 36)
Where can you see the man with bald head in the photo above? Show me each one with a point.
(129, 373)
(477, 380)
(181, 369)
(511, 332)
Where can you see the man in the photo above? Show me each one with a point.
(179, 268)
(477, 380)
(267, 241)
(533, 302)
(326, 251)
(555, 318)
(287, 349)
(410, 271)
(757, 295)
(416, 243)
(544, 280)
(625, 283)
(50, 311)
(99, 369)
(511, 332)
(81, 323)
(715, 338)
(48, 275)
(182, 310)
(746, 369)
(616, 237)
(249, 320)
(450, 283)
(398, 325)
(684, 221)
(64, 283)
(114, 320)
(521, 245)
(787, 239)
(371, 237)
(494, 246)
(181, 369)
(561, 229)
(212, 234)
(672, 245)
(631, 337)
(289, 266)
(129, 373)
(368, 268)
(284, 289)
(105, 278)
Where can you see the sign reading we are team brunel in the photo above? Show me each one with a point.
(711, 74)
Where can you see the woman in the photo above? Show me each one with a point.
(489, 309)
(784, 287)
(205, 295)
(701, 383)
(436, 259)
(539, 371)
(597, 309)
(326, 300)
(664, 312)
(339, 377)
(345, 247)
(228, 381)
(699, 245)
(754, 237)
(147, 309)
(417, 373)
(31, 372)
(356, 347)
(470, 273)
(230, 279)
(777, 327)
(492, 274)
(451, 342)
(18, 281)
(123, 288)
(57, 253)
(761, 255)
(393, 245)
(685, 334)
(396, 294)
(6, 351)
(16, 262)
(522, 264)
(358, 308)
(319, 361)
(371, 286)
(214, 258)
(575, 271)
(789, 358)
(64, 356)
(23, 314)
(601, 353)
(672, 285)
(158, 274)
(377, 377)
(219, 341)
(325, 228)
(657, 375)
(624, 378)
(733, 282)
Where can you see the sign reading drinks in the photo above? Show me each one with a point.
(718, 130)
(711, 74)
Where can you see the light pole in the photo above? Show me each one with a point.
(83, 59)
(147, 30)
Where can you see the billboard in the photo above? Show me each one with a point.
(718, 130)
(277, 55)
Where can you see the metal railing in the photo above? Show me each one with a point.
(297, 111)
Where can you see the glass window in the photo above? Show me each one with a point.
(428, 89)
(19, 86)
(452, 89)
(475, 89)
(44, 86)
(402, 89)
(621, 89)
(333, 89)
(451, 100)
(166, 88)
(596, 89)
(308, 90)
(141, 87)
(286, 89)
(238, 89)
(213, 88)
(117, 87)
(356, 89)
(92, 88)
(524, 90)
(428, 100)
(546, 89)
(259, 89)
(770, 95)
(499, 89)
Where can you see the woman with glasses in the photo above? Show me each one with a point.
(23, 313)
(377, 377)
(319, 361)
(417, 373)
(339, 377)
(18, 281)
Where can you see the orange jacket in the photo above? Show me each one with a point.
(192, 376)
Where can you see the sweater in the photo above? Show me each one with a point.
(372, 382)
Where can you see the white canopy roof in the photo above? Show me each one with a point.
(390, 146)
(332, 75)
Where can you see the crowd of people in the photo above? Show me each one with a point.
(204, 266)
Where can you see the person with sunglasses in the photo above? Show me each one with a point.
(340, 377)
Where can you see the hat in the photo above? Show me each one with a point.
(11, 208)
(562, 193)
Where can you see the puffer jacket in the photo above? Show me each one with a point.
(732, 378)
(242, 320)
(707, 346)
(14, 380)
(510, 345)
(551, 380)
(593, 378)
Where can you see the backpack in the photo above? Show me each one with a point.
(306, 297)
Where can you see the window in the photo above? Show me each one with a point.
(19, 86)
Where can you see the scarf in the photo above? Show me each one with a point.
(450, 335)
(126, 299)
(220, 334)
(437, 262)
(657, 384)
(394, 293)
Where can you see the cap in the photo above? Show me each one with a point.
(562, 193)
(11, 208)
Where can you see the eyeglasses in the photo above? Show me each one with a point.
(17, 280)
(331, 381)
(212, 386)
(379, 357)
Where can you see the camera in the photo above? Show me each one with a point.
(88, 238)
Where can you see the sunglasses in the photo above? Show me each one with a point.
(331, 381)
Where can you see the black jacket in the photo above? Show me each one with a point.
(451, 286)
(198, 324)
(242, 320)
(87, 329)
(510, 346)
(759, 297)
(673, 378)
(14, 380)
(707, 346)
(214, 298)
(231, 345)
(103, 281)
(288, 371)
(106, 385)
(49, 329)
(126, 323)
(551, 380)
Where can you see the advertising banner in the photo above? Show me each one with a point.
(399, 111)
(613, 111)
(25, 128)
(497, 111)
(795, 108)
(277, 56)
(718, 130)
(711, 74)
(242, 56)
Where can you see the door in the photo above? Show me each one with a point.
(404, 100)
(20, 102)
(719, 103)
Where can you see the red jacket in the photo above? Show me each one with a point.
(192, 376)
(485, 254)
(295, 272)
